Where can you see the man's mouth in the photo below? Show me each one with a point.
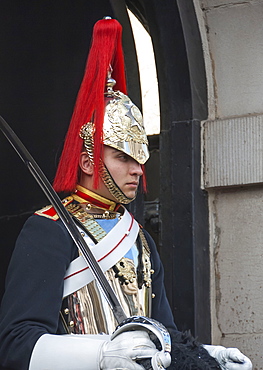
(133, 184)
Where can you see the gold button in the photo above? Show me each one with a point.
(71, 324)
(153, 295)
(66, 311)
(152, 271)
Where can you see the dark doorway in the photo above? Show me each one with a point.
(182, 206)
(43, 46)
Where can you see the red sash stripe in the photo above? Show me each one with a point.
(124, 236)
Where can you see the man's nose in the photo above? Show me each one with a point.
(136, 168)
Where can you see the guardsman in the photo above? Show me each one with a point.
(54, 314)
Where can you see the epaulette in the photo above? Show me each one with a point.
(50, 212)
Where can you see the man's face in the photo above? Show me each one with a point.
(124, 170)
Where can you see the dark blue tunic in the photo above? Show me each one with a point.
(34, 289)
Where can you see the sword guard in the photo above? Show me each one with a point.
(158, 334)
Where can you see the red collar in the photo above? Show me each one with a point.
(83, 195)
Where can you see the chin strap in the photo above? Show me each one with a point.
(112, 186)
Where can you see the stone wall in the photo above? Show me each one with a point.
(232, 35)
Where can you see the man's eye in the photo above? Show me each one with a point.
(123, 156)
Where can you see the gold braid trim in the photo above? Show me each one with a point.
(147, 271)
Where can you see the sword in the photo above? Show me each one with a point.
(134, 322)
(65, 218)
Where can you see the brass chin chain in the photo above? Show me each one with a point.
(113, 187)
(86, 135)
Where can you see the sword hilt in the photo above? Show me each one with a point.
(158, 334)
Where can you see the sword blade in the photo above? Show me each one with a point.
(65, 218)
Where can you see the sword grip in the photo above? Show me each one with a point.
(158, 334)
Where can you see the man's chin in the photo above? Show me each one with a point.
(130, 194)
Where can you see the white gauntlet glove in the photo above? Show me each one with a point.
(125, 348)
(229, 358)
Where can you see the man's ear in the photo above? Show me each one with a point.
(85, 164)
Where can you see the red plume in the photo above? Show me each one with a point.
(144, 179)
(106, 50)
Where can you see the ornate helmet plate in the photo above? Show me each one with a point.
(122, 128)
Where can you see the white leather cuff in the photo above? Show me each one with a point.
(67, 352)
